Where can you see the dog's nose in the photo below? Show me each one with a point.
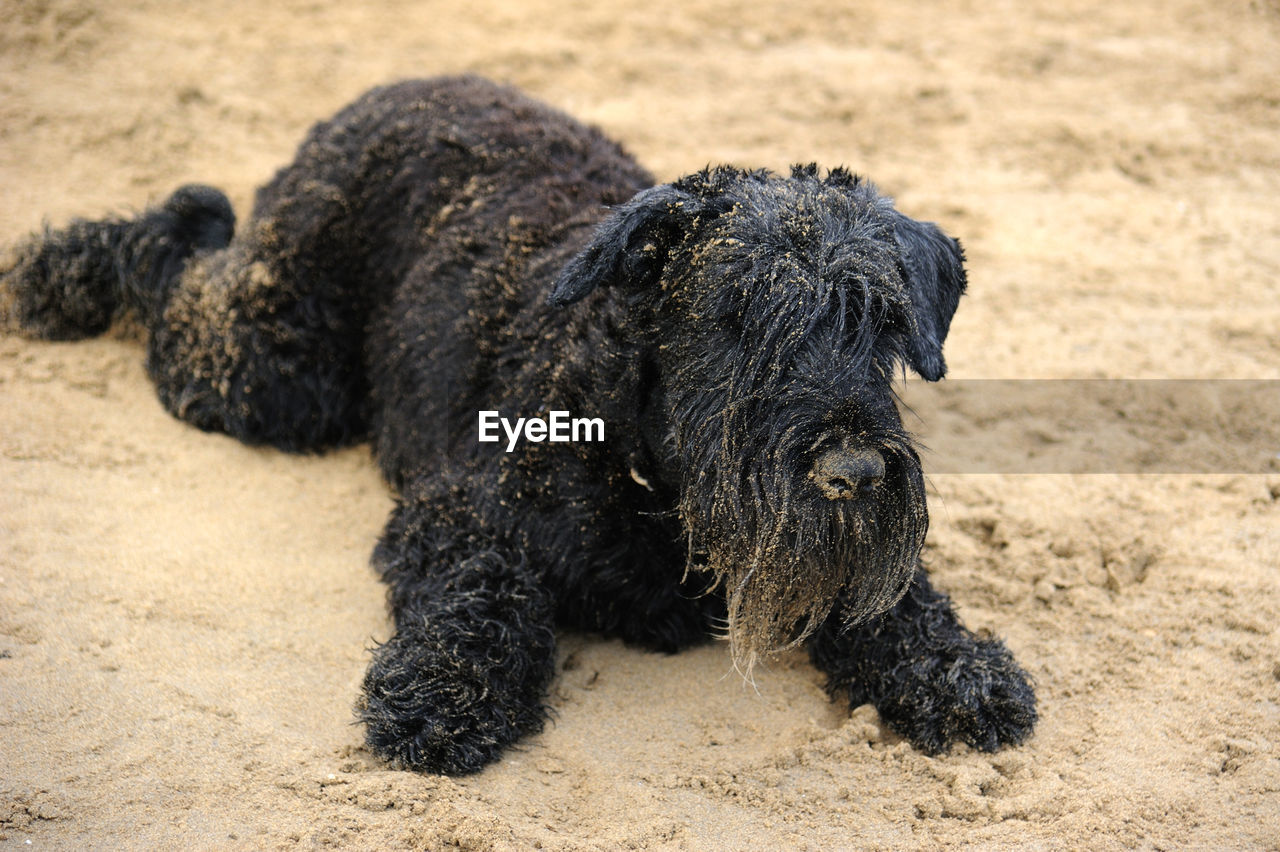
(842, 474)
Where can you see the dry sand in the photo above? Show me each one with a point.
(183, 620)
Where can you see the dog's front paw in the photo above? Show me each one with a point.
(436, 703)
(973, 691)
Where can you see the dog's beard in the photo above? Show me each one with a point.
(783, 555)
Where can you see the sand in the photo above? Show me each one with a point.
(184, 621)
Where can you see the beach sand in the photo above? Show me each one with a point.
(184, 621)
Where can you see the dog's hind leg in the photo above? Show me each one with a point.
(931, 679)
(259, 336)
(248, 343)
(73, 282)
(466, 672)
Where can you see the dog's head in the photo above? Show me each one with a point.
(776, 312)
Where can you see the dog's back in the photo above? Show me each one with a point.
(438, 166)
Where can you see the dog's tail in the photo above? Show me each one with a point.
(73, 282)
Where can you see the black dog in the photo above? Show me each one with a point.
(445, 248)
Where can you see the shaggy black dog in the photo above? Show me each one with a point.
(445, 248)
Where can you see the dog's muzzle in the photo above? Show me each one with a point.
(845, 474)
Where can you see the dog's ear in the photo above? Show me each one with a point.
(933, 266)
(629, 247)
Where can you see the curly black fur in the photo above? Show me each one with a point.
(474, 650)
(931, 680)
(74, 282)
(445, 246)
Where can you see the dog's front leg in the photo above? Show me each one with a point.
(931, 679)
(467, 669)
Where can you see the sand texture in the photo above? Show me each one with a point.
(184, 621)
